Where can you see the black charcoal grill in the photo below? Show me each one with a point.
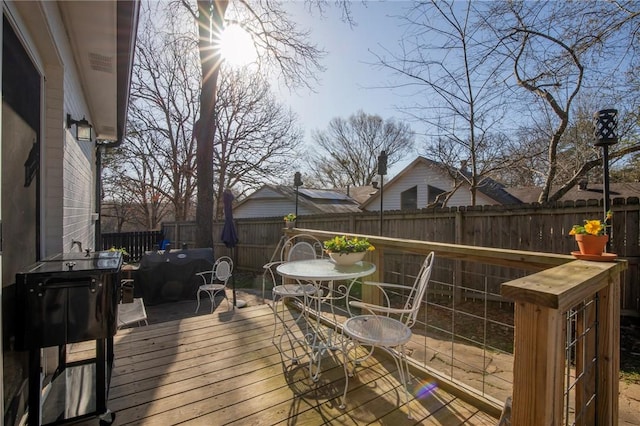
(68, 298)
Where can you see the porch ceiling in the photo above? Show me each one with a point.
(102, 37)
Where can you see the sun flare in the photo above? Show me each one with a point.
(236, 46)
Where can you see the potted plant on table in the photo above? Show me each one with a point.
(590, 236)
(290, 220)
(347, 250)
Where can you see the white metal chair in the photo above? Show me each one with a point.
(130, 310)
(298, 247)
(385, 327)
(215, 281)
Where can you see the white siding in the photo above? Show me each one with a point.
(268, 208)
(67, 166)
(422, 176)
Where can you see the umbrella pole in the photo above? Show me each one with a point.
(233, 276)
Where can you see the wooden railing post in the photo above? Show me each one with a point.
(542, 301)
(538, 365)
(609, 352)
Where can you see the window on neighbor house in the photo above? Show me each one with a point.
(409, 199)
(432, 193)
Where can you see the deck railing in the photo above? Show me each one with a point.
(539, 326)
(567, 346)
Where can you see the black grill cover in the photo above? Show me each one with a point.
(167, 277)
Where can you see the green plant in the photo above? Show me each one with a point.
(123, 251)
(592, 226)
(344, 244)
(290, 217)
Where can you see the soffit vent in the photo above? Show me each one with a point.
(101, 63)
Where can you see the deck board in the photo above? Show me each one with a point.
(223, 369)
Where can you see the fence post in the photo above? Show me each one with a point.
(457, 275)
(371, 294)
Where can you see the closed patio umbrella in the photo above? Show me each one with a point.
(229, 237)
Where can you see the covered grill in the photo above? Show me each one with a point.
(68, 298)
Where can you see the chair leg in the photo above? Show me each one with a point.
(198, 307)
(345, 363)
(403, 369)
(230, 306)
(296, 345)
(212, 298)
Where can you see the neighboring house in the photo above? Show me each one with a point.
(270, 201)
(584, 191)
(59, 59)
(420, 183)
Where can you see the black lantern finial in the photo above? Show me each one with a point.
(605, 123)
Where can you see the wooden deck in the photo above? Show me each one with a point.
(223, 369)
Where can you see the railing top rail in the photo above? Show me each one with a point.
(563, 286)
(520, 259)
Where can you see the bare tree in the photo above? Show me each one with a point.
(552, 47)
(156, 162)
(130, 190)
(443, 57)
(279, 43)
(256, 137)
(349, 149)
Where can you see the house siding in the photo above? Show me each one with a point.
(422, 176)
(268, 208)
(67, 165)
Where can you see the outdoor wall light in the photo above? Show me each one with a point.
(83, 128)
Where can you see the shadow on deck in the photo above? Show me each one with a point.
(222, 368)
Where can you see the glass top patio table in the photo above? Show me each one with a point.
(318, 271)
(324, 270)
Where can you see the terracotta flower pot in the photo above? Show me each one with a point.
(591, 244)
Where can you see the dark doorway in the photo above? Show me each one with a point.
(21, 105)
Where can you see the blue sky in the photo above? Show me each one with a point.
(350, 83)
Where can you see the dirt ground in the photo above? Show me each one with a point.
(629, 371)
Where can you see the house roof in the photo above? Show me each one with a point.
(489, 187)
(588, 191)
(358, 193)
(316, 200)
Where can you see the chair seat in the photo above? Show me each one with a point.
(129, 313)
(211, 287)
(294, 290)
(377, 330)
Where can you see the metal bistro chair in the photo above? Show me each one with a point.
(130, 310)
(215, 281)
(385, 327)
(299, 247)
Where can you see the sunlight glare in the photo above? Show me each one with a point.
(236, 46)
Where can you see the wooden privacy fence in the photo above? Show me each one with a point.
(530, 227)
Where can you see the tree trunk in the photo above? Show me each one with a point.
(205, 128)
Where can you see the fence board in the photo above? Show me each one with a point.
(534, 227)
